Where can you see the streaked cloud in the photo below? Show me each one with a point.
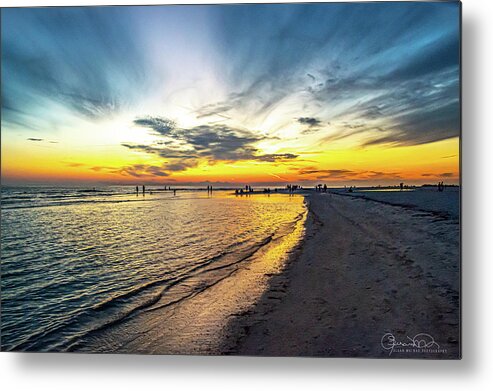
(185, 147)
(311, 124)
(337, 174)
(394, 65)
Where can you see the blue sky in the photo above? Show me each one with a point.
(374, 73)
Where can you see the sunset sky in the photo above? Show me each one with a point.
(343, 94)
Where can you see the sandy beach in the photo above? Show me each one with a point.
(367, 273)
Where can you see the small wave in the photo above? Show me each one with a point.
(71, 202)
(41, 339)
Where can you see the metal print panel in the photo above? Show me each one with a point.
(261, 179)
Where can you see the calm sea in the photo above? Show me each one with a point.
(74, 261)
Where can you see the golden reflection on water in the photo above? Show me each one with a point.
(199, 324)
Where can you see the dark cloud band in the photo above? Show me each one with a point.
(185, 147)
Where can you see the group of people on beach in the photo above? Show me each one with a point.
(293, 188)
(144, 190)
(248, 189)
(321, 188)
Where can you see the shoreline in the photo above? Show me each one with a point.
(239, 327)
(364, 269)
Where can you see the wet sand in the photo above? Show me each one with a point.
(366, 270)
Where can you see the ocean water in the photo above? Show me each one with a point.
(77, 261)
